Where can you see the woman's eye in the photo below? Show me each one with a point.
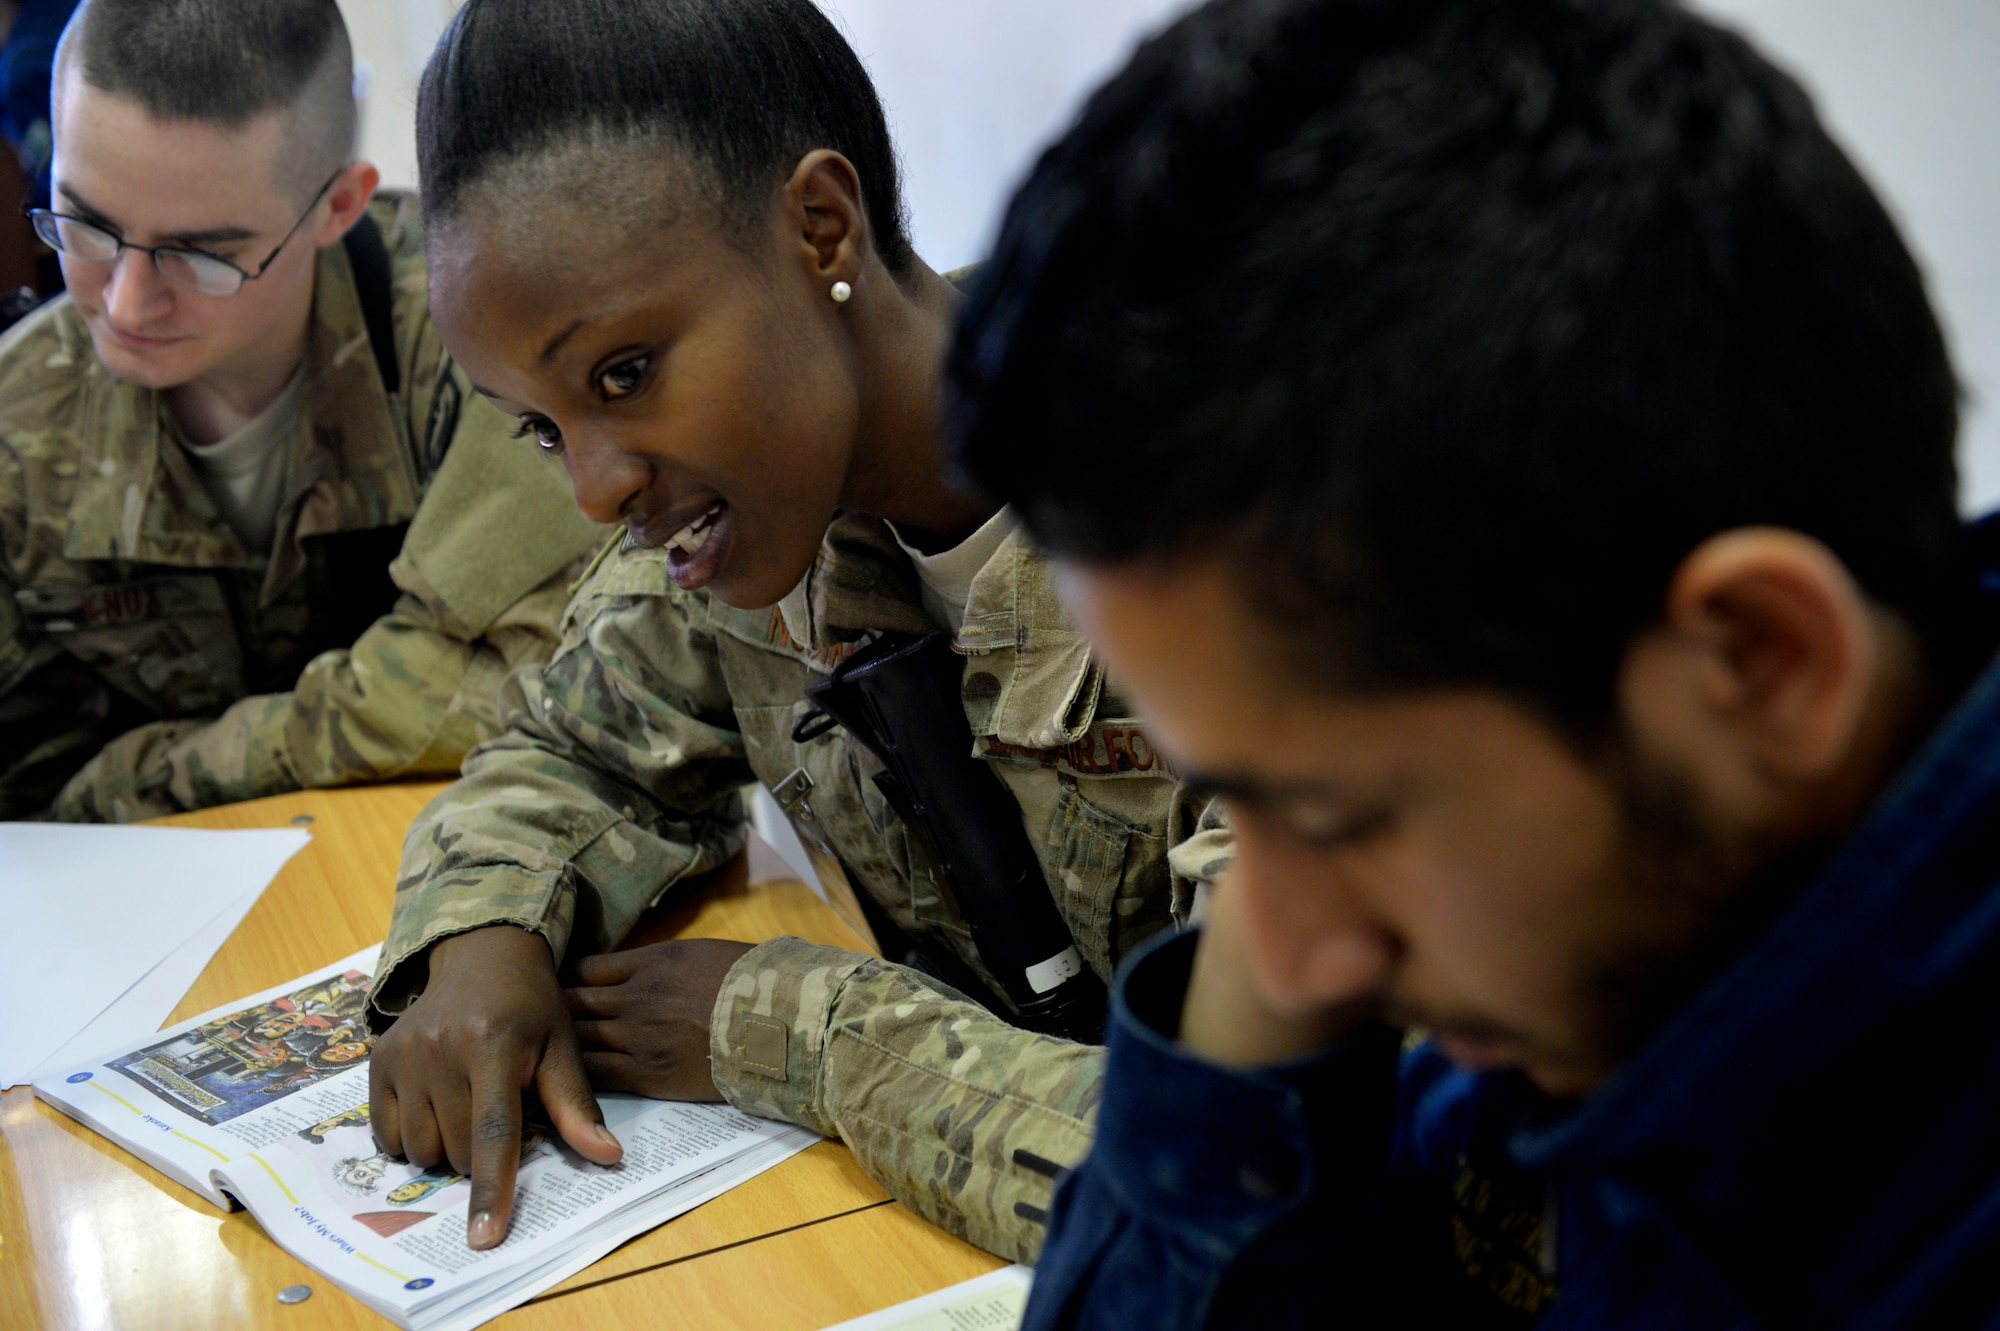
(622, 379)
(544, 432)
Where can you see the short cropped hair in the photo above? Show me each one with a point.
(743, 88)
(1455, 326)
(228, 62)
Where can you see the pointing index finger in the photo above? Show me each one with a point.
(496, 1157)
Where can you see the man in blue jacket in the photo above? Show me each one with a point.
(1506, 450)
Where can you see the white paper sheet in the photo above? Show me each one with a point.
(91, 914)
(775, 849)
(145, 1007)
(992, 1302)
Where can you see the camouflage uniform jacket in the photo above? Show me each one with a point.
(132, 616)
(621, 775)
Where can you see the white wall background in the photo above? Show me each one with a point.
(972, 88)
(1912, 87)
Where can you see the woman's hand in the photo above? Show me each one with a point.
(642, 1016)
(446, 1081)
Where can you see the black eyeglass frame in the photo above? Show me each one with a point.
(35, 216)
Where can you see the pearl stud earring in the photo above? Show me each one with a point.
(841, 291)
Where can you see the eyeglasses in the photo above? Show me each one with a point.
(209, 274)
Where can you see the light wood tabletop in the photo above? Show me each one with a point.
(92, 1238)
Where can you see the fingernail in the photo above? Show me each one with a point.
(482, 1231)
(604, 1135)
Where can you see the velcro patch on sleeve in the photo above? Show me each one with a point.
(764, 1046)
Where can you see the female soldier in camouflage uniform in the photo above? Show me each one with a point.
(667, 236)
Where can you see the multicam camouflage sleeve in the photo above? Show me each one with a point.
(620, 775)
(956, 1113)
(408, 699)
(485, 573)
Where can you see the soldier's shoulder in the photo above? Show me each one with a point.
(1029, 557)
(399, 216)
(45, 361)
(622, 569)
(631, 582)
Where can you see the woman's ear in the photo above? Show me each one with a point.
(1762, 663)
(823, 204)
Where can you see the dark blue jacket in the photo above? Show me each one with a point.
(1813, 1142)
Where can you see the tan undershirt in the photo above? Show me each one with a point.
(245, 473)
(947, 576)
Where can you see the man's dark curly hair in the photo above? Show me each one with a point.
(1454, 326)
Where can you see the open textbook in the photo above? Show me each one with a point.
(264, 1104)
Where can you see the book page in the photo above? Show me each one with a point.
(394, 1232)
(995, 1301)
(227, 1069)
(195, 1098)
(267, 1100)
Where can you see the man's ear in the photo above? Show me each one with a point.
(823, 202)
(1763, 659)
(346, 198)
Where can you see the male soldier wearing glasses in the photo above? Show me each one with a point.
(255, 534)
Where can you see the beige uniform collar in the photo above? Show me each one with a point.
(139, 499)
(859, 582)
(1029, 676)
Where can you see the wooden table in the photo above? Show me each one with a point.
(91, 1238)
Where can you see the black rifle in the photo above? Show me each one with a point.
(899, 697)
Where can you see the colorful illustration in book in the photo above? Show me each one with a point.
(248, 1059)
(423, 1185)
(316, 1134)
(391, 1223)
(362, 1175)
(439, 1177)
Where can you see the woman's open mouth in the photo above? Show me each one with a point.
(695, 553)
